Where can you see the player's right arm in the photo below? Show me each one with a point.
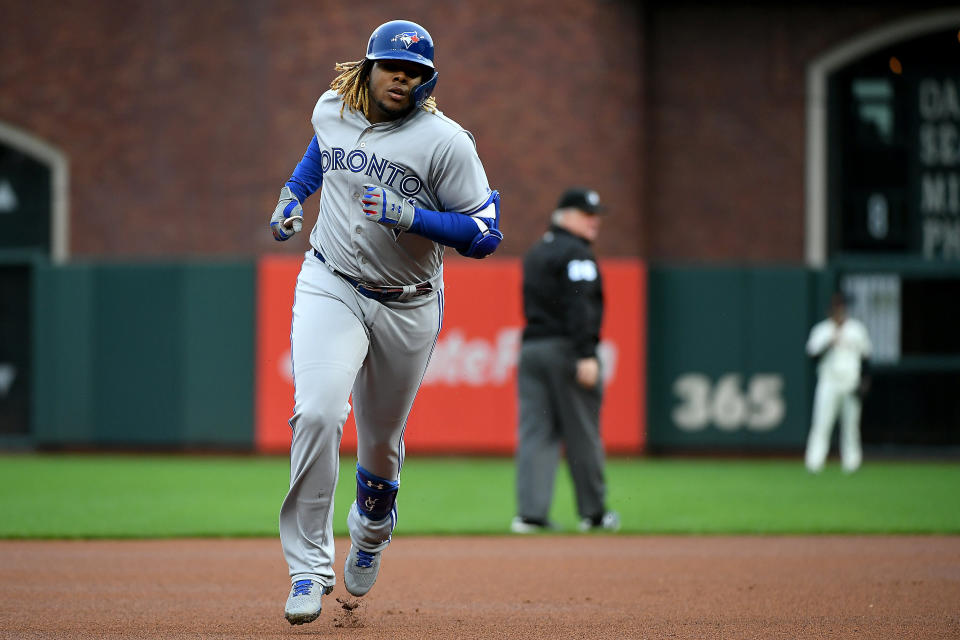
(287, 218)
(821, 337)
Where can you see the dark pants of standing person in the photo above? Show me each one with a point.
(555, 411)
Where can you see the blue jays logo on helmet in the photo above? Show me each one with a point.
(401, 40)
(405, 40)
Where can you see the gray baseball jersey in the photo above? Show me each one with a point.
(425, 156)
(346, 344)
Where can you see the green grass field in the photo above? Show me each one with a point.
(155, 496)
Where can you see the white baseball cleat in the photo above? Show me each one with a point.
(360, 571)
(304, 605)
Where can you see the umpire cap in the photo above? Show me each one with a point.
(587, 200)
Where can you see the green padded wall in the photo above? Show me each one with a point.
(156, 355)
(726, 363)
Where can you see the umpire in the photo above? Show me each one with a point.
(559, 378)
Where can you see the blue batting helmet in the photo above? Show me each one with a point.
(405, 40)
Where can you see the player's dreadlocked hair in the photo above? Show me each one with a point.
(351, 83)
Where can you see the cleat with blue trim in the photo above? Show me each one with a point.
(360, 571)
(304, 605)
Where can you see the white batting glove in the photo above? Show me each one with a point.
(387, 207)
(287, 218)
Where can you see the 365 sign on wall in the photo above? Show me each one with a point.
(727, 366)
(727, 403)
(467, 403)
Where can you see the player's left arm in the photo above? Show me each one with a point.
(474, 234)
(866, 350)
(863, 388)
(469, 215)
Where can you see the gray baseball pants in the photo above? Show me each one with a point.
(343, 343)
(556, 412)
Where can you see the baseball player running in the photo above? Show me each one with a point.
(398, 182)
(844, 348)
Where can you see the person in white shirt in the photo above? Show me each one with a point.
(843, 347)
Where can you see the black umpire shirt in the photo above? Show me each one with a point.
(563, 291)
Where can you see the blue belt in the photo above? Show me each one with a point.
(380, 294)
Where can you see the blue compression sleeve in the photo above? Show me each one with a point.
(452, 229)
(308, 176)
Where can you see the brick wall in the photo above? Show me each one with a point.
(725, 126)
(182, 120)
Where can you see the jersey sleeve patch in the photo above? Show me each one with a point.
(582, 270)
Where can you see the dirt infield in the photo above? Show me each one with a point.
(495, 587)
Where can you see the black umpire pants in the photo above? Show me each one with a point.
(556, 413)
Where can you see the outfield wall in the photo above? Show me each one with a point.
(144, 355)
(196, 355)
(193, 355)
(727, 368)
(467, 402)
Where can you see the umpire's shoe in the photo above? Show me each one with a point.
(360, 571)
(530, 525)
(303, 605)
(608, 521)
